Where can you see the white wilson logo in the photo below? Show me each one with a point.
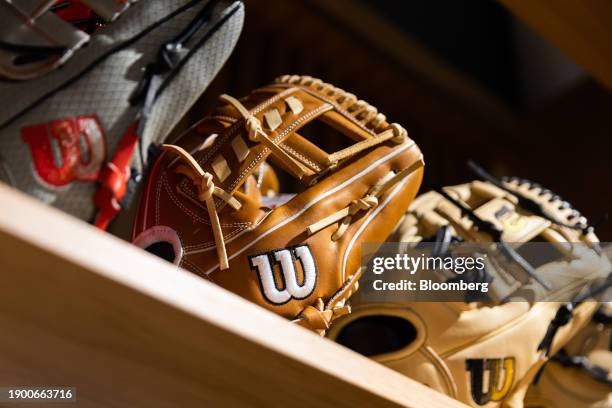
(290, 288)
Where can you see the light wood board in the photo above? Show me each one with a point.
(81, 308)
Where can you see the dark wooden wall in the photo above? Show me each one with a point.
(565, 145)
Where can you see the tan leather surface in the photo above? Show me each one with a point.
(486, 200)
(170, 199)
(595, 336)
(451, 337)
(450, 334)
(430, 211)
(562, 386)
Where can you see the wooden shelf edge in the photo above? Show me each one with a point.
(127, 329)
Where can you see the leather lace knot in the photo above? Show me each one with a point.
(400, 135)
(362, 204)
(365, 203)
(206, 193)
(254, 128)
(318, 318)
(206, 187)
(257, 134)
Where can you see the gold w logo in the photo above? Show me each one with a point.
(499, 375)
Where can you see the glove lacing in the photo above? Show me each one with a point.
(206, 193)
(204, 180)
(318, 317)
(257, 134)
(368, 202)
(393, 132)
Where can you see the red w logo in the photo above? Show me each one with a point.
(66, 150)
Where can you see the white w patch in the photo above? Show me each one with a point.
(290, 288)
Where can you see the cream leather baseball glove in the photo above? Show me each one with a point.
(487, 353)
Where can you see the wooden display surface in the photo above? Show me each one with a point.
(80, 308)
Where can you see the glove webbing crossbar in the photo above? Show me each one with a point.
(207, 190)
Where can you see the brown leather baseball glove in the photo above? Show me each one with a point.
(300, 259)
